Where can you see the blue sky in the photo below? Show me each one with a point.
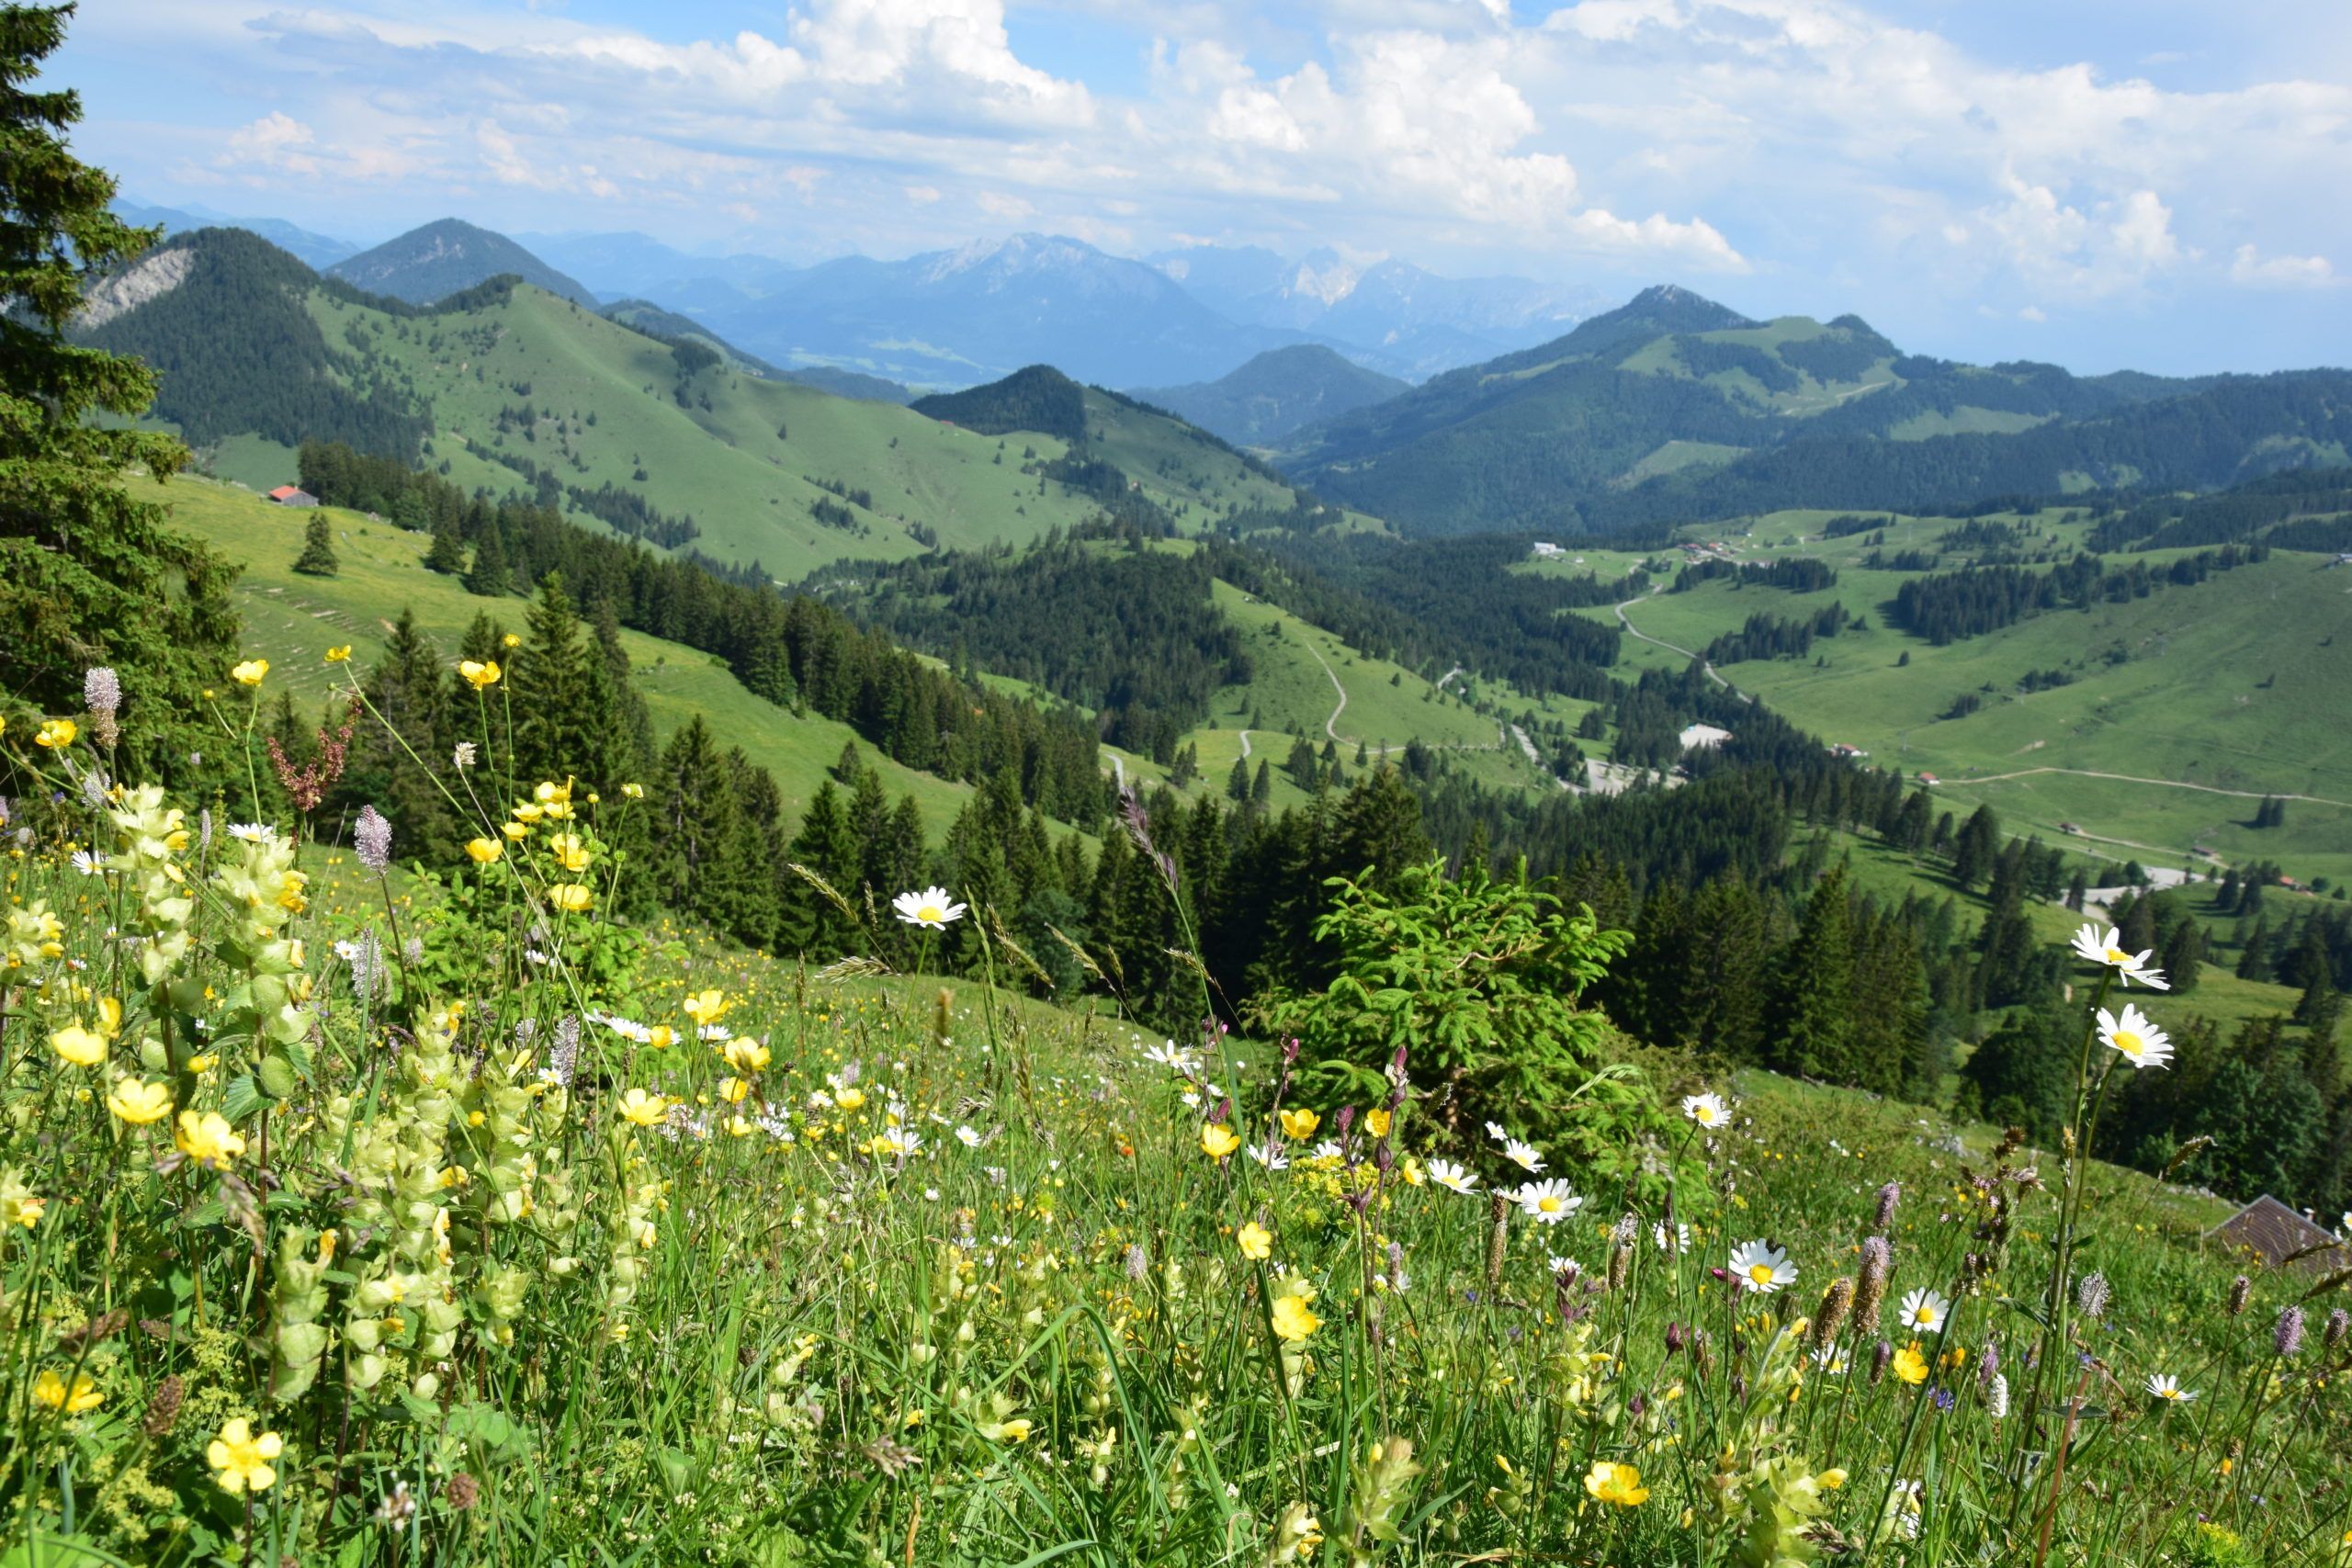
(2154, 184)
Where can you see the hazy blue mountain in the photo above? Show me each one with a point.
(1673, 406)
(313, 249)
(1275, 393)
(956, 317)
(1390, 315)
(635, 265)
(440, 258)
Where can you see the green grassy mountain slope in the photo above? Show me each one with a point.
(292, 620)
(1672, 407)
(515, 388)
(1276, 393)
(647, 316)
(2152, 726)
(438, 259)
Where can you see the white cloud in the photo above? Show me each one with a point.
(2305, 272)
(277, 140)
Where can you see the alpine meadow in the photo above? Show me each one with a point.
(904, 783)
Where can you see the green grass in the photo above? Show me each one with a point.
(549, 1335)
(2231, 685)
(292, 620)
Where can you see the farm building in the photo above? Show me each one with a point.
(1700, 735)
(2274, 1233)
(293, 495)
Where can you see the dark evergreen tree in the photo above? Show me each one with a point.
(318, 557)
(1978, 844)
(489, 578)
(90, 572)
(1809, 1021)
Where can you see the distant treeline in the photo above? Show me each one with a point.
(1797, 574)
(1948, 606)
(798, 652)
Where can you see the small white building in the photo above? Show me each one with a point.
(1545, 552)
(1703, 734)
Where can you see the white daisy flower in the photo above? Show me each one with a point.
(1547, 1202)
(253, 832)
(1524, 1155)
(1831, 1359)
(1328, 1149)
(1451, 1176)
(1271, 1159)
(929, 907)
(967, 1137)
(1760, 1266)
(346, 951)
(2163, 1386)
(2140, 1042)
(1678, 1242)
(1707, 1109)
(1924, 1312)
(88, 865)
(1565, 1265)
(1495, 1131)
(2107, 947)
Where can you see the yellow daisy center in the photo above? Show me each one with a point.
(2117, 955)
(2127, 1040)
(930, 914)
(1549, 1206)
(1760, 1272)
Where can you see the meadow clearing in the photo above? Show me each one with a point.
(355, 1217)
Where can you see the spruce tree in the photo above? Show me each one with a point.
(489, 578)
(448, 554)
(1810, 1022)
(90, 572)
(1978, 844)
(808, 922)
(317, 558)
(2253, 963)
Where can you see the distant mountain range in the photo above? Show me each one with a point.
(974, 314)
(1275, 393)
(314, 250)
(1673, 407)
(443, 257)
(1394, 316)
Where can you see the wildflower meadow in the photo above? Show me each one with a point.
(356, 1216)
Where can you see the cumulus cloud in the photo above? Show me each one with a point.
(2248, 265)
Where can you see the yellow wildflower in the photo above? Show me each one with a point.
(1293, 1320)
(645, 1110)
(56, 734)
(1300, 1124)
(241, 1459)
(139, 1103)
(340, 653)
(481, 674)
(1217, 1140)
(51, 1389)
(484, 851)
(1256, 1241)
(1618, 1484)
(83, 1047)
(250, 672)
(207, 1135)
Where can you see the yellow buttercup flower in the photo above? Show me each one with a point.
(1293, 1320)
(706, 1007)
(52, 1391)
(1910, 1365)
(139, 1103)
(745, 1056)
(633, 791)
(1257, 1243)
(1014, 1431)
(83, 1047)
(570, 852)
(484, 851)
(240, 1460)
(1377, 1122)
(250, 672)
(511, 640)
(850, 1098)
(661, 1037)
(1217, 1140)
(340, 653)
(1617, 1484)
(645, 1110)
(56, 734)
(207, 1135)
(481, 674)
(1300, 1124)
